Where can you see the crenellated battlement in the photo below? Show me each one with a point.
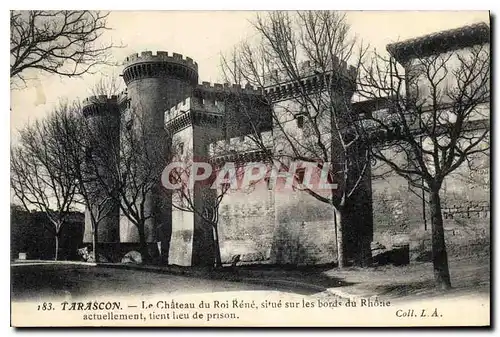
(228, 88)
(313, 80)
(179, 109)
(100, 99)
(338, 66)
(240, 145)
(160, 56)
(100, 105)
(193, 110)
(195, 103)
(123, 100)
(161, 64)
(123, 95)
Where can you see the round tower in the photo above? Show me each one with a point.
(157, 82)
(103, 116)
(154, 84)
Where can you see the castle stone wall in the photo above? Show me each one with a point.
(247, 220)
(155, 83)
(304, 229)
(280, 227)
(182, 222)
(103, 118)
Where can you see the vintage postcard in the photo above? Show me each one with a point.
(250, 169)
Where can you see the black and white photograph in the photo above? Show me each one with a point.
(280, 168)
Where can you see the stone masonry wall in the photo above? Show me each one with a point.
(246, 224)
(304, 229)
(283, 227)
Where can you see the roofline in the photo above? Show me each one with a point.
(440, 42)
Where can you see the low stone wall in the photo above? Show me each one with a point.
(304, 243)
(246, 225)
(279, 230)
(181, 245)
(115, 251)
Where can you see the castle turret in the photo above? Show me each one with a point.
(154, 84)
(103, 116)
(212, 113)
(356, 217)
(191, 125)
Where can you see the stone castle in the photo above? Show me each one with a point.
(283, 228)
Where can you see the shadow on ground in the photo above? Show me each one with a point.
(471, 275)
(312, 277)
(65, 282)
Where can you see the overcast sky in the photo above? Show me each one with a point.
(203, 35)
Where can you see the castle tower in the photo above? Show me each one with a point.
(193, 124)
(103, 116)
(208, 116)
(154, 84)
(357, 215)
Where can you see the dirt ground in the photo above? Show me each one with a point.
(468, 276)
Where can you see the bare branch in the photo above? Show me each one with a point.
(66, 43)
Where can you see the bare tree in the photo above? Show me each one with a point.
(41, 176)
(90, 142)
(300, 60)
(436, 118)
(202, 198)
(83, 140)
(108, 85)
(133, 170)
(66, 43)
(477, 174)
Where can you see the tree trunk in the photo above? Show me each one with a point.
(218, 259)
(339, 235)
(94, 243)
(143, 244)
(57, 247)
(439, 255)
